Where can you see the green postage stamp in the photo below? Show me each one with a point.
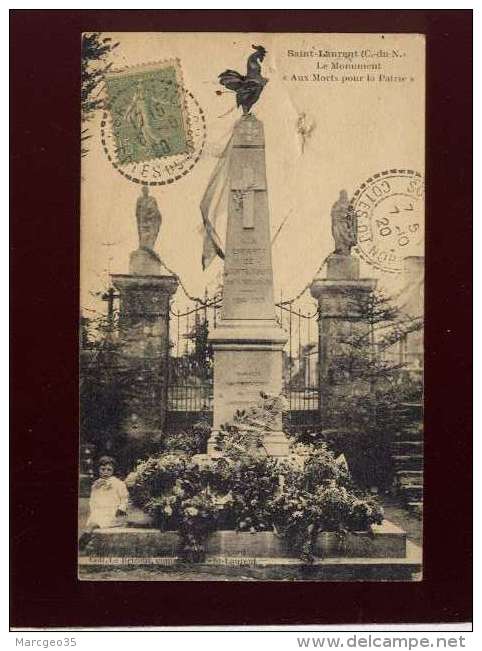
(148, 112)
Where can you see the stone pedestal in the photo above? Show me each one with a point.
(247, 340)
(342, 267)
(144, 337)
(143, 262)
(381, 554)
(342, 298)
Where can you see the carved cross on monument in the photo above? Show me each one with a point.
(247, 190)
(244, 186)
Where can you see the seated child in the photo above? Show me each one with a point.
(108, 500)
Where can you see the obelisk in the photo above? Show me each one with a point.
(247, 340)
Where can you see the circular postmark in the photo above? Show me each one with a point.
(389, 212)
(153, 129)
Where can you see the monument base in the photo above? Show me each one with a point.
(247, 363)
(276, 444)
(381, 541)
(383, 553)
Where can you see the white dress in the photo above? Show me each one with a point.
(106, 497)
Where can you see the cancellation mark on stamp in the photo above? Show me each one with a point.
(153, 129)
(389, 215)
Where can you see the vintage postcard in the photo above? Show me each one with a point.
(252, 320)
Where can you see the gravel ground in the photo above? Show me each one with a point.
(395, 512)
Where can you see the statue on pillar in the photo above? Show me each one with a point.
(343, 225)
(148, 220)
(145, 261)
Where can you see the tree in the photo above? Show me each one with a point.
(100, 382)
(202, 355)
(94, 65)
(366, 352)
(120, 393)
(366, 388)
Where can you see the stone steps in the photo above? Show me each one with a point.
(410, 434)
(412, 492)
(408, 461)
(407, 457)
(405, 477)
(410, 485)
(413, 431)
(416, 508)
(407, 447)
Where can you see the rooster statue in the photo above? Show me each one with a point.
(247, 88)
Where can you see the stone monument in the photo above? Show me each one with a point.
(144, 324)
(341, 296)
(247, 339)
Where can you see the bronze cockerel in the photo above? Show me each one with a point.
(247, 87)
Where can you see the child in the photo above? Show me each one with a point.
(108, 500)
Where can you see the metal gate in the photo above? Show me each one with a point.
(299, 319)
(190, 377)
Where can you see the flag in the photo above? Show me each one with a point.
(214, 209)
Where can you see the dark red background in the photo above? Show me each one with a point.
(45, 179)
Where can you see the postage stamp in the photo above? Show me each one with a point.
(389, 212)
(153, 129)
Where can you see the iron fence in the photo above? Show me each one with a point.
(190, 376)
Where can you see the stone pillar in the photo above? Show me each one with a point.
(144, 336)
(342, 297)
(247, 340)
